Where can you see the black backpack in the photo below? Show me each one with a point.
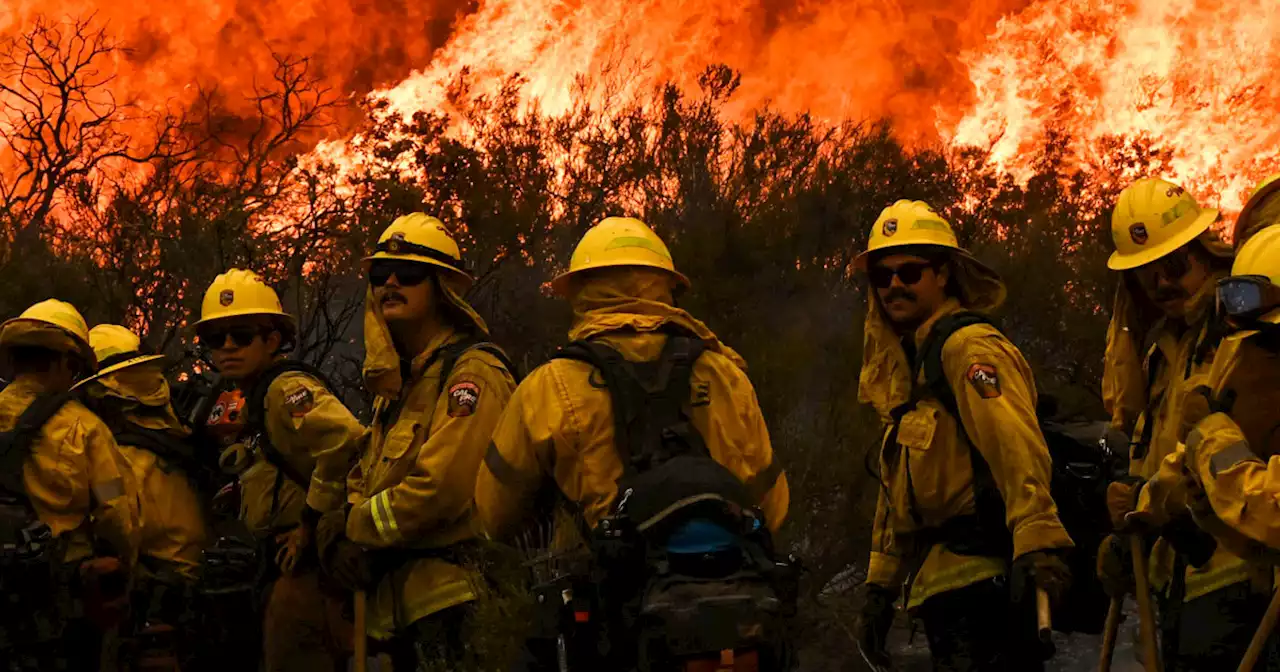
(665, 606)
(1083, 465)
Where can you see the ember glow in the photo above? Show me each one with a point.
(1189, 75)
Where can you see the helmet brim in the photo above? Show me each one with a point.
(1125, 262)
(561, 284)
(115, 368)
(80, 346)
(290, 321)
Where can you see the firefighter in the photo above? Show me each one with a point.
(1233, 448)
(130, 393)
(965, 480)
(559, 429)
(1230, 421)
(66, 471)
(295, 449)
(440, 386)
(1160, 346)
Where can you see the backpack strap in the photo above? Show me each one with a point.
(929, 358)
(256, 421)
(161, 443)
(15, 444)
(988, 503)
(450, 354)
(648, 398)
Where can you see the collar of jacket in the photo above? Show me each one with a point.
(28, 385)
(382, 369)
(948, 307)
(423, 360)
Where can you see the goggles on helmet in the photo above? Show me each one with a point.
(1247, 296)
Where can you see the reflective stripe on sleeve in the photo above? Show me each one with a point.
(1229, 457)
(106, 491)
(384, 518)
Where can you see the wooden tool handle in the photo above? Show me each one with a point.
(1263, 633)
(1146, 614)
(1044, 616)
(1110, 634)
(360, 641)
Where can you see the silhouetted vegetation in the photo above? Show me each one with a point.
(765, 214)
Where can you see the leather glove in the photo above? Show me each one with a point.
(1122, 499)
(227, 500)
(105, 582)
(1115, 566)
(874, 622)
(1196, 545)
(348, 564)
(293, 544)
(1045, 570)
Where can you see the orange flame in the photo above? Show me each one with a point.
(1189, 75)
(1195, 77)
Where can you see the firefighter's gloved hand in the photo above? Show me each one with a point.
(348, 564)
(105, 583)
(293, 545)
(1040, 569)
(227, 500)
(873, 626)
(1122, 499)
(1115, 566)
(1196, 545)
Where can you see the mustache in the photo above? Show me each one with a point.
(392, 295)
(1168, 294)
(900, 293)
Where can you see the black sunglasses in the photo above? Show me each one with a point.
(242, 336)
(1172, 266)
(910, 273)
(408, 273)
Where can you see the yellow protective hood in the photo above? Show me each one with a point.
(143, 394)
(885, 380)
(635, 299)
(381, 360)
(1124, 383)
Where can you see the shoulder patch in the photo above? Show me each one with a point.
(463, 399)
(299, 402)
(985, 379)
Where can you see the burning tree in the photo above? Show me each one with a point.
(61, 126)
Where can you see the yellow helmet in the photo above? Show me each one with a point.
(422, 238)
(116, 348)
(908, 223)
(1258, 260)
(238, 293)
(618, 241)
(1253, 208)
(1152, 218)
(50, 324)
